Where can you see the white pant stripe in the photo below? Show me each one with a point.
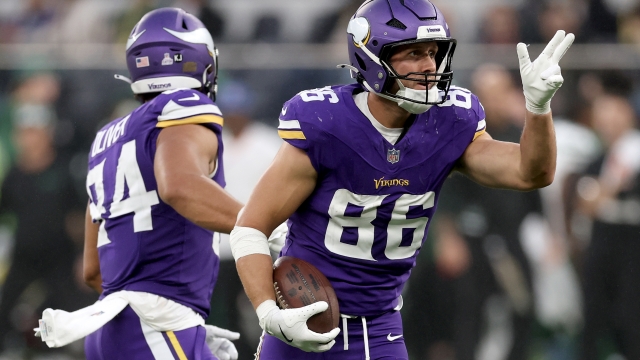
(156, 342)
(345, 332)
(366, 338)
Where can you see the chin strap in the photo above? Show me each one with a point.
(419, 96)
(123, 78)
(352, 69)
(414, 107)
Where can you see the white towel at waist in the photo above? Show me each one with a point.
(59, 328)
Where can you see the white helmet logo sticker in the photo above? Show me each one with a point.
(134, 38)
(359, 29)
(198, 36)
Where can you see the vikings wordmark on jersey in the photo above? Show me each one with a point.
(367, 218)
(135, 252)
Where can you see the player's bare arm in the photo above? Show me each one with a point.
(185, 157)
(530, 164)
(91, 261)
(285, 185)
(525, 166)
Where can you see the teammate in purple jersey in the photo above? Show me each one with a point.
(155, 183)
(361, 170)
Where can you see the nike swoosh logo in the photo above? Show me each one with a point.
(391, 338)
(290, 340)
(133, 39)
(284, 111)
(193, 97)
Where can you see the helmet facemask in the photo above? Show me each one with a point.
(437, 82)
(210, 78)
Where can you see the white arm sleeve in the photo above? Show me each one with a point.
(246, 241)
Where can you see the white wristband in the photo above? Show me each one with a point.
(246, 241)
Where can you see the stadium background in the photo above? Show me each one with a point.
(59, 56)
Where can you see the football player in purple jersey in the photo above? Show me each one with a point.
(155, 184)
(361, 170)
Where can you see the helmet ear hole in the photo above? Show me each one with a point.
(361, 62)
(184, 25)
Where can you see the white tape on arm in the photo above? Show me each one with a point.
(246, 241)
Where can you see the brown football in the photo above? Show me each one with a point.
(298, 283)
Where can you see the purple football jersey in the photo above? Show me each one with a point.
(143, 243)
(367, 218)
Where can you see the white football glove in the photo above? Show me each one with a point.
(219, 342)
(290, 326)
(542, 78)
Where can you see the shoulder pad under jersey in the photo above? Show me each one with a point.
(186, 106)
(309, 114)
(468, 109)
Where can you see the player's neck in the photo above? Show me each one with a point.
(387, 112)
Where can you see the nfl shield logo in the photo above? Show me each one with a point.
(393, 156)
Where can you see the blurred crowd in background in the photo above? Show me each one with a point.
(550, 274)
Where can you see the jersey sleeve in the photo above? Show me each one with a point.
(302, 125)
(481, 127)
(189, 106)
(468, 112)
(289, 127)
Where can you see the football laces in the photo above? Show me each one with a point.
(281, 301)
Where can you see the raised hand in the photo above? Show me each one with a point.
(542, 78)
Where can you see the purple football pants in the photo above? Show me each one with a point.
(126, 337)
(384, 340)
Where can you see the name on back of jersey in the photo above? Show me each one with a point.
(105, 138)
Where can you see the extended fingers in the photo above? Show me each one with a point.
(523, 54)
(324, 338)
(555, 41)
(318, 307)
(305, 312)
(228, 334)
(222, 333)
(562, 48)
